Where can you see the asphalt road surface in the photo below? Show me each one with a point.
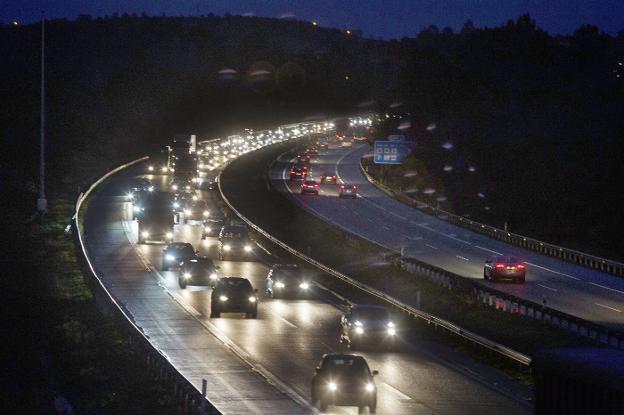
(283, 344)
(375, 216)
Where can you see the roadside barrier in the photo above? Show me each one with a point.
(192, 401)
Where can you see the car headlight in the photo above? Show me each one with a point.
(188, 187)
(359, 330)
(169, 235)
(214, 276)
(252, 299)
(187, 275)
(174, 187)
(136, 208)
(370, 387)
(223, 298)
(129, 196)
(391, 331)
(206, 213)
(206, 228)
(150, 168)
(169, 257)
(247, 248)
(150, 189)
(332, 386)
(358, 323)
(304, 285)
(164, 169)
(187, 211)
(145, 234)
(279, 284)
(176, 205)
(390, 324)
(227, 247)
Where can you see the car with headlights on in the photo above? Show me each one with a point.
(285, 280)
(196, 209)
(212, 227)
(504, 268)
(199, 270)
(298, 171)
(344, 380)
(310, 186)
(303, 158)
(369, 325)
(176, 253)
(347, 190)
(233, 295)
(235, 242)
(329, 177)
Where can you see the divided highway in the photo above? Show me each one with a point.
(579, 291)
(283, 345)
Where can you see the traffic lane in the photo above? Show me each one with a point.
(428, 245)
(314, 328)
(232, 385)
(601, 299)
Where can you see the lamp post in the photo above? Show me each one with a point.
(41, 201)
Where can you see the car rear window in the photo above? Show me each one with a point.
(370, 314)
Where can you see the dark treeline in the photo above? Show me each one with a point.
(539, 116)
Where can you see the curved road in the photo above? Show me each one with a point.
(286, 341)
(375, 216)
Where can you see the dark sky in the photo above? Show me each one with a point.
(378, 18)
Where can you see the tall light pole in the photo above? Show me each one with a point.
(41, 201)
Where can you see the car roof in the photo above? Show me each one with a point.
(508, 258)
(234, 228)
(339, 356)
(179, 245)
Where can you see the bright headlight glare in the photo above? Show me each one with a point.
(169, 257)
(207, 228)
(370, 387)
(332, 386)
(136, 208)
(223, 298)
(174, 187)
(279, 284)
(176, 205)
(247, 248)
(129, 196)
(187, 275)
(164, 169)
(227, 247)
(206, 213)
(213, 276)
(359, 330)
(358, 323)
(145, 234)
(150, 189)
(391, 331)
(169, 235)
(252, 299)
(304, 285)
(150, 168)
(390, 324)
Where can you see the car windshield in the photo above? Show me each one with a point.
(200, 267)
(370, 313)
(287, 272)
(235, 235)
(346, 366)
(181, 250)
(235, 284)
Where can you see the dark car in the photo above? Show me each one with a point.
(347, 190)
(504, 268)
(298, 172)
(196, 210)
(367, 324)
(287, 279)
(198, 271)
(310, 186)
(233, 295)
(234, 241)
(329, 178)
(312, 152)
(212, 227)
(344, 380)
(323, 145)
(176, 253)
(303, 158)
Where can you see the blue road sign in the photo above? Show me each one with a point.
(389, 152)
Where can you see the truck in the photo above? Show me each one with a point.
(156, 219)
(185, 168)
(184, 144)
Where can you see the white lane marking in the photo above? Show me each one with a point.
(553, 271)
(488, 250)
(461, 257)
(431, 246)
(457, 239)
(607, 307)
(288, 322)
(548, 288)
(385, 227)
(607, 288)
(414, 238)
(397, 392)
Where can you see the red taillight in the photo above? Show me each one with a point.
(520, 266)
(354, 187)
(316, 185)
(341, 187)
(500, 265)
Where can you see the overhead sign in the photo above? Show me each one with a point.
(389, 152)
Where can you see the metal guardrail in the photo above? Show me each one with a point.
(411, 311)
(192, 401)
(566, 254)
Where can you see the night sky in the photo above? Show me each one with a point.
(377, 18)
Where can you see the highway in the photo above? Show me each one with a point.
(375, 216)
(283, 345)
